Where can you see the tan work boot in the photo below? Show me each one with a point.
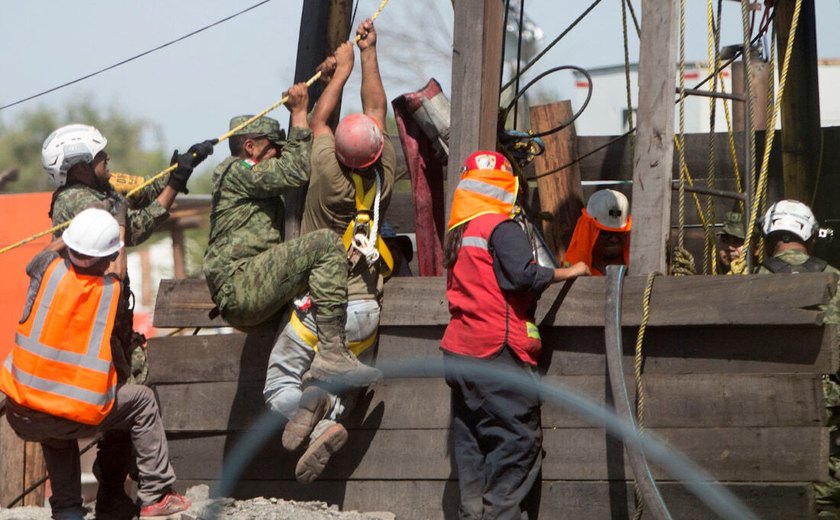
(315, 458)
(314, 406)
(333, 362)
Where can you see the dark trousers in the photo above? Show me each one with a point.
(497, 437)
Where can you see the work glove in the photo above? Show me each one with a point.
(186, 162)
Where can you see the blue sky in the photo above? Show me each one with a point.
(190, 90)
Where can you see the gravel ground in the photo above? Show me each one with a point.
(204, 508)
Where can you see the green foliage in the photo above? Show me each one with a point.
(21, 141)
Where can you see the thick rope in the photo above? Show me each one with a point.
(638, 362)
(627, 76)
(171, 168)
(713, 51)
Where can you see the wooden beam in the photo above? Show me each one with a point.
(801, 102)
(476, 69)
(179, 263)
(324, 24)
(561, 194)
(654, 139)
(13, 462)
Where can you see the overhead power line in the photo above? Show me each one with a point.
(123, 62)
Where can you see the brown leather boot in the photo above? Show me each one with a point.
(315, 458)
(314, 406)
(333, 362)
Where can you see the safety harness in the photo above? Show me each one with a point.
(812, 265)
(362, 232)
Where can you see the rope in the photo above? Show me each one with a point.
(123, 62)
(627, 92)
(638, 362)
(739, 264)
(713, 51)
(366, 243)
(171, 168)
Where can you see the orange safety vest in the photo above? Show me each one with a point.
(61, 362)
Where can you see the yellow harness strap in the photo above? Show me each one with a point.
(364, 202)
(356, 347)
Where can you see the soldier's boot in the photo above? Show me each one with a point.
(315, 458)
(333, 362)
(314, 406)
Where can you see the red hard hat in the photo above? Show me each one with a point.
(487, 160)
(358, 141)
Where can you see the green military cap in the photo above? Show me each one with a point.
(733, 224)
(263, 126)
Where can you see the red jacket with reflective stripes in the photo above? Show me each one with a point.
(61, 363)
(485, 318)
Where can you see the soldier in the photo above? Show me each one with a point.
(790, 231)
(252, 273)
(75, 160)
(730, 241)
(352, 177)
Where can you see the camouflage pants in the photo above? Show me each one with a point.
(259, 290)
(828, 493)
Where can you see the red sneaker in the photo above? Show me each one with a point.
(172, 502)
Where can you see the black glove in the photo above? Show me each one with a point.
(187, 162)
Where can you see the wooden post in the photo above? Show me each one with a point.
(561, 194)
(35, 470)
(652, 167)
(476, 68)
(760, 89)
(324, 24)
(12, 462)
(800, 105)
(179, 266)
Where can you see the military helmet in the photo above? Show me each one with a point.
(733, 224)
(264, 126)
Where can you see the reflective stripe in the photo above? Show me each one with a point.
(60, 389)
(90, 358)
(474, 242)
(489, 190)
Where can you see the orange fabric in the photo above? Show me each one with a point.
(24, 215)
(583, 240)
(468, 204)
(68, 324)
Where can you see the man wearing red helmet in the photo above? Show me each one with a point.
(493, 282)
(352, 173)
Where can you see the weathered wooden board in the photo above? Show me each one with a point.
(560, 500)
(675, 301)
(567, 351)
(729, 454)
(12, 462)
(732, 400)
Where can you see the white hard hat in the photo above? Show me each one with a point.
(609, 207)
(95, 233)
(791, 216)
(68, 146)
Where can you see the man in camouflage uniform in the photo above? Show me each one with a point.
(331, 203)
(730, 241)
(790, 231)
(74, 158)
(252, 273)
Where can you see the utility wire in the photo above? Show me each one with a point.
(123, 62)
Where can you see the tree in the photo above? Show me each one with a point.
(21, 141)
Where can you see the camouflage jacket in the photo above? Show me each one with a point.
(145, 214)
(247, 213)
(832, 309)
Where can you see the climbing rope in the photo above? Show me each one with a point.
(638, 362)
(739, 264)
(627, 92)
(713, 52)
(171, 168)
(365, 243)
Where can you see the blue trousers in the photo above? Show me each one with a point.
(497, 438)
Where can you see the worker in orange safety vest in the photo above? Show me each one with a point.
(60, 377)
(602, 233)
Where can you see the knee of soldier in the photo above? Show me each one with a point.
(328, 241)
(283, 400)
(140, 395)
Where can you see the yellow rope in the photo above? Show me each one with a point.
(638, 360)
(171, 168)
(713, 51)
(761, 185)
(627, 77)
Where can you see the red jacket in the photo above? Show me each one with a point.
(485, 318)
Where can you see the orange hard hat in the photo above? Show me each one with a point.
(358, 141)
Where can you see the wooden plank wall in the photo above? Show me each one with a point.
(737, 391)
